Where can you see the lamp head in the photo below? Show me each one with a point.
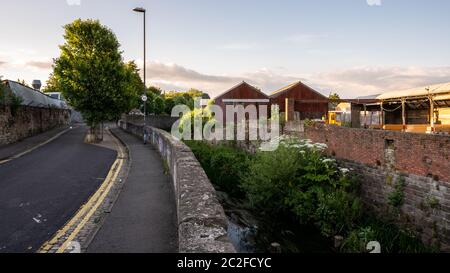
(139, 9)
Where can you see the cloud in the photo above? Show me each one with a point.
(360, 81)
(73, 2)
(349, 83)
(374, 2)
(45, 65)
(2, 63)
(176, 77)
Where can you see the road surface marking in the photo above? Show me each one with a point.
(88, 209)
(92, 210)
(37, 146)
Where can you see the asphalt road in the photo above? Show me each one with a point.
(42, 190)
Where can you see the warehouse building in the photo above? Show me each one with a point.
(418, 110)
(299, 102)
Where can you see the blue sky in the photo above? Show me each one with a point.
(353, 47)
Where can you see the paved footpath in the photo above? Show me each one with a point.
(42, 190)
(143, 219)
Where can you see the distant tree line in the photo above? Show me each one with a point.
(162, 103)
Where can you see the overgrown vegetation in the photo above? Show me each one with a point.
(298, 182)
(224, 164)
(7, 98)
(396, 197)
(391, 238)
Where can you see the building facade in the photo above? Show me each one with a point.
(246, 95)
(299, 101)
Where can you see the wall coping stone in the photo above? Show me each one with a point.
(202, 223)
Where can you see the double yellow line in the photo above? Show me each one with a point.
(87, 210)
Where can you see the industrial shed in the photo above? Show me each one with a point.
(421, 110)
(299, 101)
(243, 94)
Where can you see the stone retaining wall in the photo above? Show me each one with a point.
(161, 122)
(202, 224)
(28, 121)
(381, 158)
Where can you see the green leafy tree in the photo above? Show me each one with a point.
(92, 76)
(193, 93)
(51, 85)
(155, 103)
(135, 84)
(154, 90)
(334, 100)
(158, 105)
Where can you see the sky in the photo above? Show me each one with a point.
(351, 47)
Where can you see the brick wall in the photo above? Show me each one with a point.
(29, 121)
(380, 158)
(419, 154)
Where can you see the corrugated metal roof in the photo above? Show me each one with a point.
(285, 88)
(417, 92)
(369, 97)
(33, 97)
(236, 86)
(278, 92)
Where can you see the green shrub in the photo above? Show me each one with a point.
(270, 179)
(223, 164)
(298, 180)
(338, 212)
(391, 238)
(10, 99)
(358, 239)
(396, 197)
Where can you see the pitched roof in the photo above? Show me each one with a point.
(276, 92)
(245, 84)
(441, 88)
(368, 97)
(289, 87)
(33, 97)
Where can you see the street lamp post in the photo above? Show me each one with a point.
(142, 10)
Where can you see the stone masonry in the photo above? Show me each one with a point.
(382, 158)
(29, 121)
(202, 224)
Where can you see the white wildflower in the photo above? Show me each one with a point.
(328, 160)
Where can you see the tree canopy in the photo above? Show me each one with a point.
(334, 100)
(92, 75)
(162, 103)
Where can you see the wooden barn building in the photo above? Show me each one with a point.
(299, 101)
(242, 94)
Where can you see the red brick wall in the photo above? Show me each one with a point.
(419, 154)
